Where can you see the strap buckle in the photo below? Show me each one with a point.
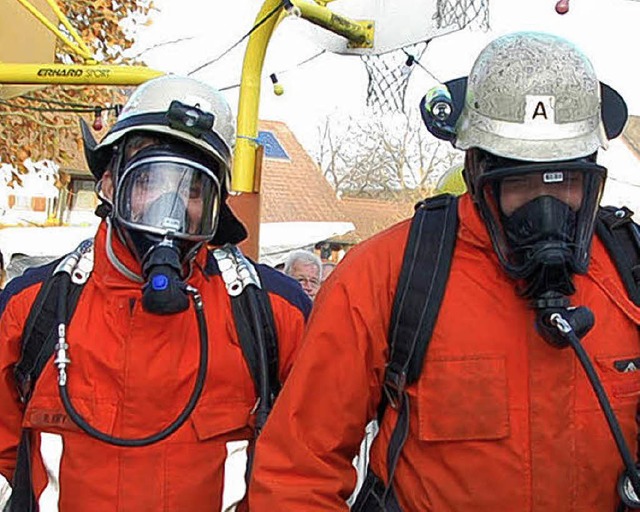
(394, 383)
(24, 386)
(435, 202)
(236, 270)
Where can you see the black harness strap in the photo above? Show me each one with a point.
(621, 237)
(421, 287)
(248, 337)
(38, 343)
(39, 335)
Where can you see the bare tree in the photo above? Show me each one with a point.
(382, 156)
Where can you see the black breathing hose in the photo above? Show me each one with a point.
(182, 417)
(567, 331)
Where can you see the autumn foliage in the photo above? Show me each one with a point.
(30, 129)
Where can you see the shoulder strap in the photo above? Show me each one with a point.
(250, 333)
(253, 318)
(621, 237)
(39, 338)
(39, 335)
(421, 286)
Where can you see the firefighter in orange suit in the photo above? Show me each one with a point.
(148, 402)
(501, 418)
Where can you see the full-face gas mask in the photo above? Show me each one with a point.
(167, 203)
(170, 185)
(540, 218)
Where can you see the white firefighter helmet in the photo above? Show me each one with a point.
(180, 107)
(532, 96)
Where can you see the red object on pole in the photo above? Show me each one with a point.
(562, 6)
(97, 121)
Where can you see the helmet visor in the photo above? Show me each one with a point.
(169, 196)
(533, 207)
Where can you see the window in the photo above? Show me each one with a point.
(272, 147)
(83, 196)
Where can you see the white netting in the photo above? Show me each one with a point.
(460, 13)
(389, 76)
(388, 72)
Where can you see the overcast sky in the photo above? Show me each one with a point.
(607, 30)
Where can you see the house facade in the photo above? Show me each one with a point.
(299, 209)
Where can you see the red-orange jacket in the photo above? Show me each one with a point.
(500, 420)
(131, 374)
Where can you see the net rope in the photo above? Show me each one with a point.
(388, 73)
(389, 76)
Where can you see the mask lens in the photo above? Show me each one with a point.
(565, 186)
(169, 196)
(536, 207)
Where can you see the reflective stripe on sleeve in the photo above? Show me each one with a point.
(5, 492)
(235, 467)
(51, 448)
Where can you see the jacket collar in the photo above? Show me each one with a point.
(472, 228)
(107, 274)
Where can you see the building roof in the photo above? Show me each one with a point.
(293, 188)
(371, 216)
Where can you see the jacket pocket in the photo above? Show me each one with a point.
(213, 419)
(463, 399)
(621, 376)
(48, 414)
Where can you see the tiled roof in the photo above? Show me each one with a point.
(371, 216)
(294, 189)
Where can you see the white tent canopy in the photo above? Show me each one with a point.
(277, 239)
(23, 247)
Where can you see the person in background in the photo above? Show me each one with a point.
(306, 268)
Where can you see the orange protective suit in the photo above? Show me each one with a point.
(131, 374)
(500, 420)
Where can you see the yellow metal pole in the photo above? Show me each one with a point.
(65, 21)
(247, 205)
(244, 161)
(359, 34)
(32, 74)
(42, 19)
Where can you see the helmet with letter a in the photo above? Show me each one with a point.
(531, 117)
